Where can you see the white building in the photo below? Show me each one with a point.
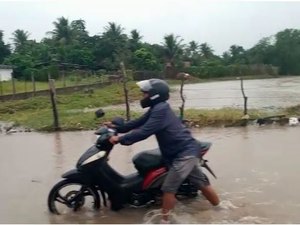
(5, 72)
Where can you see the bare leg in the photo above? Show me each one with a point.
(210, 195)
(168, 203)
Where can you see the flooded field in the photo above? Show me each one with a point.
(269, 94)
(257, 168)
(264, 93)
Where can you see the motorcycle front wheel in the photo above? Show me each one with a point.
(68, 195)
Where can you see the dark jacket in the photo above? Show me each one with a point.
(173, 138)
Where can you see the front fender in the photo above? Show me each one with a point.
(77, 175)
(84, 178)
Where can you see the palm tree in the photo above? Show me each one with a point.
(4, 49)
(62, 31)
(193, 46)
(226, 57)
(192, 50)
(173, 48)
(20, 37)
(135, 35)
(237, 54)
(135, 40)
(206, 51)
(78, 25)
(114, 44)
(113, 31)
(79, 33)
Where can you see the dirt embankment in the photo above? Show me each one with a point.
(11, 127)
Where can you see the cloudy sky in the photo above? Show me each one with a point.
(219, 23)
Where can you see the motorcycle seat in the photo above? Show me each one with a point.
(147, 160)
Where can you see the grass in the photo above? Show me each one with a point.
(36, 112)
(218, 117)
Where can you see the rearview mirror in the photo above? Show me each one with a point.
(99, 113)
(118, 121)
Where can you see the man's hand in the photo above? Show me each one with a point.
(109, 124)
(114, 140)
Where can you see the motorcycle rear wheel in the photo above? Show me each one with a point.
(65, 197)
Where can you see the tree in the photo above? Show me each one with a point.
(226, 57)
(80, 56)
(79, 33)
(62, 31)
(157, 50)
(20, 38)
(193, 48)
(191, 51)
(22, 63)
(206, 51)
(262, 52)
(237, 54)
(4, 49)
(287, 49)
(173, 48)
(135, 40)
(144, 60)
(112, 47)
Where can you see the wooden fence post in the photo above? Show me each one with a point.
(63, 77)
(25, 86)
(33, 84)
(181, 108)
(183, 77)
(13, 86)
(245, 97)
(124, 80)
(53, 102)
(1, 87)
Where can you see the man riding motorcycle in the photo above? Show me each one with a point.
(178, 148)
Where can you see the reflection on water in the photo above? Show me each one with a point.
(58, 149)
(257, 169)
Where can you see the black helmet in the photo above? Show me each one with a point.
(157, 89)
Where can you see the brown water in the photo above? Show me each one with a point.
(263, 93)
(257, 168)
(269, 94)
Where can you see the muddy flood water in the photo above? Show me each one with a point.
(267, 94)
(257, 168)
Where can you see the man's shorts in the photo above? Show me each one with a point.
(182, 168)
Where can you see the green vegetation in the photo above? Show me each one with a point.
(69, 47)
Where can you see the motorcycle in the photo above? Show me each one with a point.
(98, 182)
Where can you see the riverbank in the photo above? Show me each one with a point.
(227, 117)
